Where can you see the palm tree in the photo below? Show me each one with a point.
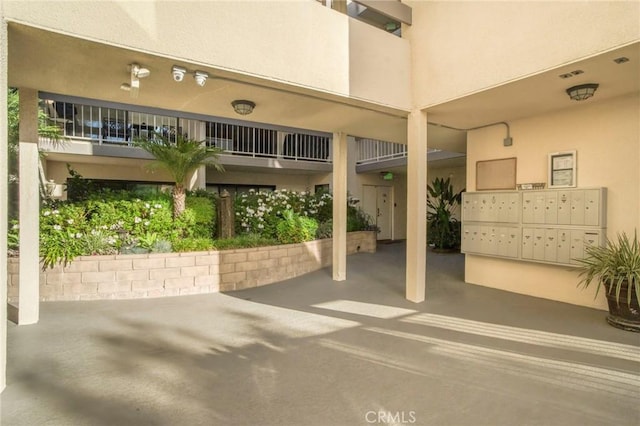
(180, 156)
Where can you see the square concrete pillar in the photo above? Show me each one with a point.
(4, 196)
(29, 218)
(339, 206)
(416, 206)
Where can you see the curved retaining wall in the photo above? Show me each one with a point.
(171, 274)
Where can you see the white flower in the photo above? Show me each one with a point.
(146, 223)
(260, 226)
(56, 212)
(78, 235)
(46, 213)
(57, 227)
(158, 206)
(147, 205)
(288, 206)
(137, 220)
(244, 224)
(15, 226)
(151, 213)
(70, 221)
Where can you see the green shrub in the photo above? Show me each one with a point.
(204, 211)
(244, 241)
(294, 228)
(325, 229)
(193, 244)
(358, 220)
(260, 212)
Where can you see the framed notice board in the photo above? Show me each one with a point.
(496, 174)
(562, 169)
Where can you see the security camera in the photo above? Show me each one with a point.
(178, 73)
(201, 78)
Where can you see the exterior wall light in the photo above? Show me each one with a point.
(139, 72)
(582, 91)
(243, 107)
(201, 78)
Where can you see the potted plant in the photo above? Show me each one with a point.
(616, 266)
(443, 229)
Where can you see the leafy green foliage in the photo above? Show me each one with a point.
(443, 229)
(193, 244)
(179, 156)
(614, 265)
(261, 212)
(244, 241)
(204, 212)
(294, 228)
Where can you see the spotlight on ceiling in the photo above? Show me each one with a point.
(243, 107)
(201, 78)
(125, 86)
(582, 91)
(178, 73)
(139, 72)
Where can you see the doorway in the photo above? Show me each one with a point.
(377, 202)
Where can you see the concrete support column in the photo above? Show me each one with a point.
(339, 206)
(416, 206)
(28, 166)
(4, 205)
(198, 179)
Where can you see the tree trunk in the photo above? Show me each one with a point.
(179, 200)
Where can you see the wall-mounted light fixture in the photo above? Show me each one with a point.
(136, 73)
(582, 91)
(201, 78)
(139, 72)
(243, 107)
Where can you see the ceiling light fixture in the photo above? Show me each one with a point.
(582, 91)
(243, 107)
(201, 78)
(125, 86)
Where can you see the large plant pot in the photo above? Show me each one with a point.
(622, 314)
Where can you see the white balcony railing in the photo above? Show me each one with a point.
(373, 151)
(112, 126)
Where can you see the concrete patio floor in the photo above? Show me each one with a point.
(311, 351)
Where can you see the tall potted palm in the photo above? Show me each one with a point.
(443, 229)
(180, 156)
(616, 267)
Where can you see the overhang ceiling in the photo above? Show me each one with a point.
(544, 92)
(62, 64)
(58, 63)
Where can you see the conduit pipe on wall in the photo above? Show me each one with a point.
(507, 141)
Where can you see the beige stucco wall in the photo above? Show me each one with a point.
(57, 171)
(606, 137)
(256, 37)
(299, 42)
(292, 181)
(460, 47)
(379, 65)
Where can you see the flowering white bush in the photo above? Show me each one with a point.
(260, 212)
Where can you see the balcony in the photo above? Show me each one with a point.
(92, 128)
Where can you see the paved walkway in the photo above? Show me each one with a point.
(310, 351)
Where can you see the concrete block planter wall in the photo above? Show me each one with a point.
(171, 274)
